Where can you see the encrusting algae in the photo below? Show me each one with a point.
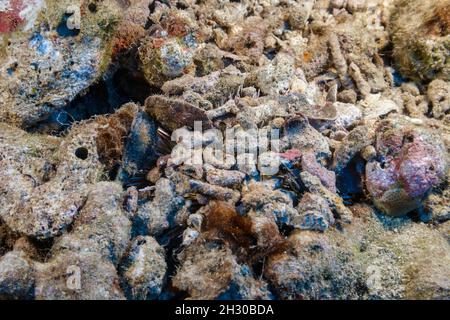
(178, 149)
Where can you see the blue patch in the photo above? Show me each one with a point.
(398, 79)
(190, 40)
(42, 45)
(63, 30)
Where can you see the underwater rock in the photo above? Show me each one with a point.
(140, 151)
(213, 191)
(77, 276)
(162, 110)
(47, 64)
(200, 265)
(373, 259)
(82, 262)
(223, 178)
(302, 136)
(145, 268)
(102, 226)
(165, 59)
(101, 198)
(60, 174)
(209, 271)
(16, 276)
(270, 203)
(317, 269)
(420, 36)
(439, 95)
(314, 185)
(315, 214)
(410, 161)
(436, 205)
(216, 87)
(274, 78)
(375, 107)
(311, 165)
(158, 215)
(359, 138)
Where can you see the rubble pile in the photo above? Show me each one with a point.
(251, 149)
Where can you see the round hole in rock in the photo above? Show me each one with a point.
(92, 7)
(82, 153)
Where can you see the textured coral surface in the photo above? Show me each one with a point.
(109, 191)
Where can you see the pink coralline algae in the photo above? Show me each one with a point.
(311, 165)
(291, 155)
(10, 17)
(409, 163)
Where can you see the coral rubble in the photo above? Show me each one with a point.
(180, 149)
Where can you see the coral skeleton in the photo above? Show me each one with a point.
(224, 149)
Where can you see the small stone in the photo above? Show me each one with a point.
(145, 269)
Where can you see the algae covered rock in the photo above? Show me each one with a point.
(60, 173)
(421, 37)
(77, 276)
(145, 269)
(16, 276)
(58, 50)
(375, 257)
(320, 138)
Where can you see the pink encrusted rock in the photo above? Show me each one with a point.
(10, 17)
(311, 165)
(291, 155)
(409, 163)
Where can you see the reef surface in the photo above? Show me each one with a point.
(223, 149)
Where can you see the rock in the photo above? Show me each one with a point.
(47, 64)
(373, 258)
(273, 204)
(158, 215)
(16, 276)
(213, 191)
(436, 205)
(439, 95)
(314, 185)
(162, 110)
(223, 178)
(410, 161)
(311, 165)
(274, 78)
(421, 53)
(302, 136)
(318, 269)
(145, 269)
(82, 264)
(210, 272)
(60, 173)
(358, 139)
(77, 276)
(165, 59)
(315, 214)
(101, 227)
(215, 87)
